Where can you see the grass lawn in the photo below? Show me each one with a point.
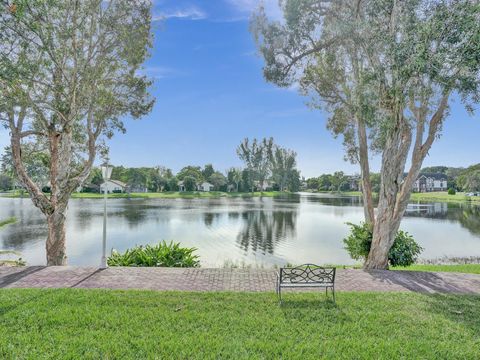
(462, 268)
(167, 195)
(443, 196)
(102, 324)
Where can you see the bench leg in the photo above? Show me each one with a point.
(279, 295)
(333, 293)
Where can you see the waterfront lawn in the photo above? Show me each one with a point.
(443, 196)
(462, 268)
(440, 196)
(102, 324)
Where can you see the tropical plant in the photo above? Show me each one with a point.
(160, 255)
(404, 251)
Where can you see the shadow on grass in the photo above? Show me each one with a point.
(451, 296)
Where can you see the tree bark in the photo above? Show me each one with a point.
(395, 190)
(365, 172)
(56, 240)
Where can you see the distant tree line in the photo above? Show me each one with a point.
(268, 166)
(458, 178)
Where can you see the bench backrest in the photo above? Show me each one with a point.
(307, 274)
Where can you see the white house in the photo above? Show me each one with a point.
(430, 182)
(113, 186)
(205, 186)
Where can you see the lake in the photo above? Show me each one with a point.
(244, 231)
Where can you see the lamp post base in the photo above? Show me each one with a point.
(103, 263)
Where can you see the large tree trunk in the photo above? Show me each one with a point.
(56, 240)
(388, 219)
(365, 172)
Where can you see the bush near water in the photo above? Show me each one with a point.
(161, 255)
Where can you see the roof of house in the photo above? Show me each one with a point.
(117, 182)
(435, 176)
(205, 183)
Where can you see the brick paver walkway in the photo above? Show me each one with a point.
(203, 279)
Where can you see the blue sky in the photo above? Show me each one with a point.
(211, 94)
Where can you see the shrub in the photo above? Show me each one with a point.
(160, 255)
(404, 252)
(451, 191)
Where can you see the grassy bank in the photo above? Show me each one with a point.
(462, 268)
(166, 195)
(99, 324)
(441, 196)
(444, 197)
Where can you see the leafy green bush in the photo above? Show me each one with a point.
(160, 255)
(404, 251)
(451, 191)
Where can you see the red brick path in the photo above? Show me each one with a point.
(202, 279)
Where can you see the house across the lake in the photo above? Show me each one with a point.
(205, 186)
(430, 182)
(113, 186)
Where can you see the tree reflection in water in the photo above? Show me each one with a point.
(262, 230)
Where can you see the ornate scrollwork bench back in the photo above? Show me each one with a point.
(307, 275)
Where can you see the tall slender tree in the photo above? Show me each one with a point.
(256, 156)
(385, 71)
(68, 76)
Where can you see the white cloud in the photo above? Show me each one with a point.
(247, 7)
(188, 13)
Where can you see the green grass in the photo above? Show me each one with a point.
(462, 268)
(102, 324)
(443, 196)
(166, 195)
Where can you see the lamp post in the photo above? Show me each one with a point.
(106, 173)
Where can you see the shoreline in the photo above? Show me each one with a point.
(164, 195)
(436, 196)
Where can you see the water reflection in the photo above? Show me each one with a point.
(295, 228)
(262, 230)
(467, 215)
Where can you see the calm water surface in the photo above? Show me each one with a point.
(259, 231)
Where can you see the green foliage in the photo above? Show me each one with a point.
(451, 191)
(218, 180)
(192, 171)
(404, 251)
(469, 179)
(6, 182)
(160, 255)
(190, 183)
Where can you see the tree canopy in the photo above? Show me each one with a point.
(384, 70)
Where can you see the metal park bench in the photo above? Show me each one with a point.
(306, 276)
